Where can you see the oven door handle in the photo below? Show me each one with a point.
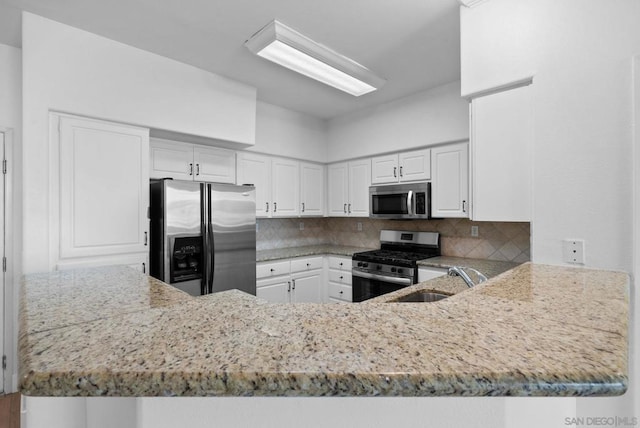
(391, 279)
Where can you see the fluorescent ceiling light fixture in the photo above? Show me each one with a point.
(288, 48)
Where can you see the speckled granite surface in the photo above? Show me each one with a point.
(310, 250)
(534, 330)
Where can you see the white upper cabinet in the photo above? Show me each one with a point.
(348, 187)
(450, 184)
(183, 161)
(214, 164)
(255, 169)
(501, 144)
(285, 187)
(103, 188)
(400, 167)
(312, 189)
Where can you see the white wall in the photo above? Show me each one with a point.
(11, 119)
(580, 53)
(284, 132)
(430, 117)
(70, 70)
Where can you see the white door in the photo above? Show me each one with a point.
(104, 188)
(415, 165)
(171, 160)
(338, 189)
(3, 190)
(384, 169)
(311, 189)
(359, 182)
(256, 170)
(450, 186)
(275, 290)
(285, 187)
(214, 165)
(306, 287)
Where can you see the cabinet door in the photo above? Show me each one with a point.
(170, 159)
(215, 165)
(276, 290)
(450, 185)
(384, 169)
(306, 287)
(415, 165)
(104, 188)
(311, 189)
(359, 182)
(285, 187)
(501, 142)
(338, 189)
(256, 169)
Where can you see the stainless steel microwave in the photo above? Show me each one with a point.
(400, 201)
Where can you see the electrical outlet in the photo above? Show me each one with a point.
(359, 225)
(301, 225)
(474, 231)
(573, 251)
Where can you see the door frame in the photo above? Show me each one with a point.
(9, 328)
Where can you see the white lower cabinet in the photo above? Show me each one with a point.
(290, 281)
(339, 279)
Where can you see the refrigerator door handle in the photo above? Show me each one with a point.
(204, 234)
(212, 244)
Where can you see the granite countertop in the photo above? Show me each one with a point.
(309, 250)
(534, 330)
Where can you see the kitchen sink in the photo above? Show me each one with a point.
(422, 296)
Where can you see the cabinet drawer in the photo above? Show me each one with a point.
(340, 291)
(340, 263)
(268, 269)
(306, 263)
(340, 277)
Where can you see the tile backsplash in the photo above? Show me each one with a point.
(495, 241)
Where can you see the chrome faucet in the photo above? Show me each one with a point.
(460, 271)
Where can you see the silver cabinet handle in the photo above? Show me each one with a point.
(198, 169)
(146, 239)
(303, 207)
(464, 209)
(275, 206)
(349, 208)
(394, 171)
(294, 283)
(288, 286)
(144, 268)
(190, 169)
(345, 208)
(267, 210)
(400, 171)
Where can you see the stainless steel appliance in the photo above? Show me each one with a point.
(394, 265)
(203, 236)
(401, 201)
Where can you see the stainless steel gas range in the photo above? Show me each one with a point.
(394, 265)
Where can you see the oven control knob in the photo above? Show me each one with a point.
(365, 264)
(378, 267)
(399, 270)
(360, 264)
(393, 269)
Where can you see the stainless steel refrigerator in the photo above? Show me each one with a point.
(203, 236)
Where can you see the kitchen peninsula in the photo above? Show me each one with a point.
(535, 330)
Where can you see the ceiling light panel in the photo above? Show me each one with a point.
(288, 48)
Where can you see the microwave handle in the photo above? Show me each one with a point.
(410, 202)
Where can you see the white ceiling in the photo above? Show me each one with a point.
(414, 44)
